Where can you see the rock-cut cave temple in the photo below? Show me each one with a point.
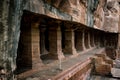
(59, 39)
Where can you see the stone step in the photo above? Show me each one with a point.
(102, 64)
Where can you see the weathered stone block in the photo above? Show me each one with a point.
(101, 55)
(117, 63)
(115, 72)
(103, 69)
(109, 61)
(98, 60)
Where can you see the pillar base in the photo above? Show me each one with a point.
(73, 52)
(37, 64)
(61, 57)
(54, 56)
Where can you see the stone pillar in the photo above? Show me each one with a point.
(24, 54)
(29, 48)
(95, 39)
(55, 39)
(91, 39)
(98, 39)
(102, 39)
(83, 40)
(89, 43)
(118, 48)
(42, 40)
(86, 40)
(69, 41)
(79, 41)
(35, 45)
(119, 40)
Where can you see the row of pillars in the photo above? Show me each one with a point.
(75, 41)
(55, 41)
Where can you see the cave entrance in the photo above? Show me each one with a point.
(28, 53)
(24, 58)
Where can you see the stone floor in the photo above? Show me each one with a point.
(53, 70)
(97, 77)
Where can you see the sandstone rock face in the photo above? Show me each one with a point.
(80, 10)
(99, 15)
(111, 16)
(102, 15)
(6, 52)
(107, 15)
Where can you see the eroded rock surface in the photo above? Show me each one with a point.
(102, 14)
